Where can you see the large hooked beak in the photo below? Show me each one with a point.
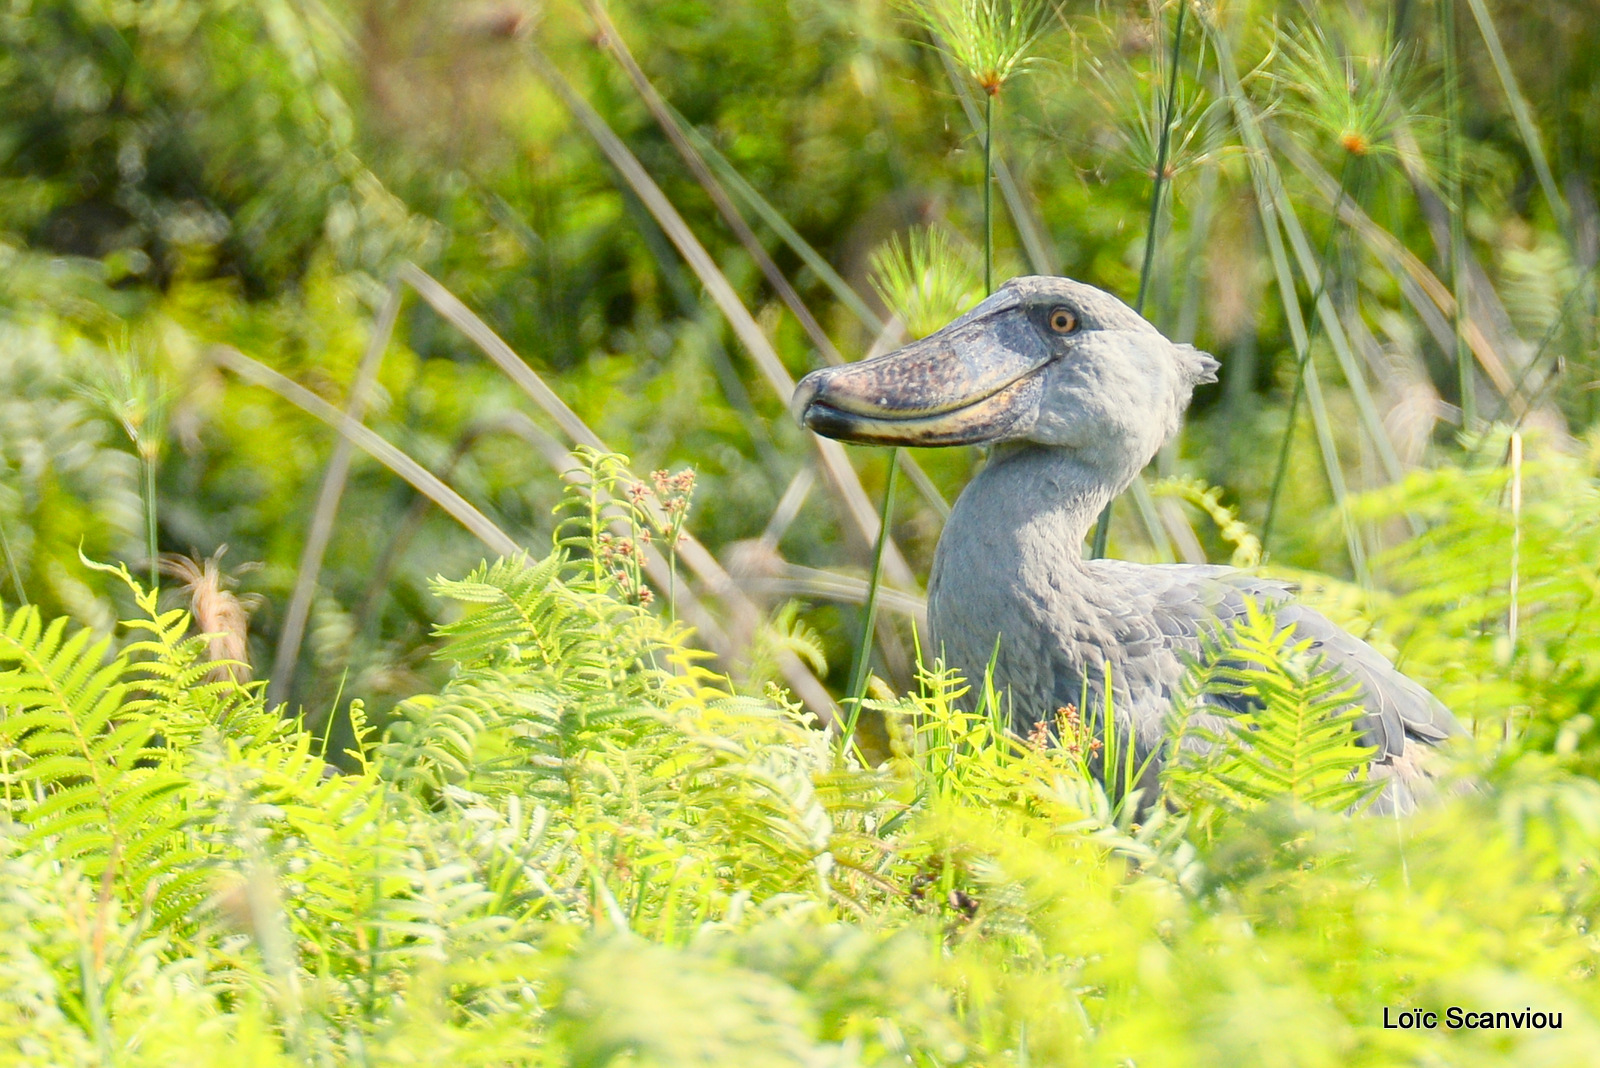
(971, 382)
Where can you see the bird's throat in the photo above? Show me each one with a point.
(1050, 496)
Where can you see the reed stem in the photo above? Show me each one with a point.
(1102, 527)
(147, 460)
(1300, 365)
(325, 512)
(988, 192)
(1458, 239)
(869, 611)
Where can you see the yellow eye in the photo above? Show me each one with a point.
(1062, 321)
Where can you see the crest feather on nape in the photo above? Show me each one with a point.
(1200, 367)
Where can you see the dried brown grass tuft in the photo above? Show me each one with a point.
(220, 614)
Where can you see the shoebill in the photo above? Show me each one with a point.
(1074, 392)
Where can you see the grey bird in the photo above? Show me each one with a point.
(1076, 393)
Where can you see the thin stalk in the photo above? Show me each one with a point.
(988, 193)
(1300, 369)
(1313, 388)
(1278, 220)
(1163, 145)
(1458, 238)
(147, 460)
(1268, 181)
(1516, 542)
(869, 611)
(770, 215)
(1102, 527)
(326, 511)
(695, 152)
(1042, 257)
(1427, 294)
(453, 504)
(1283, 453)
(835, 463)
(669, 124)
(672, 580)
(1532, 400)
(1310, 268)
(1523, 116)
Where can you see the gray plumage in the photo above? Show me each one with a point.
(1077, 393)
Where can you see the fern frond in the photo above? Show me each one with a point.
(518, 611)
(95, 787)
(1296, 740)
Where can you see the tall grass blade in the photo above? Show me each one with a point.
(425, 483)
(11, 564)
(1523, 115)
(1514, 586)
(842, 291)
(502, 355)
(1466, 381)
(689, 148)
(869, 611)
(1423, 289)
(1102, 526)
(694, 555)
(835, 462)
(1286, 447)
(1355, 377)
(1267, 204)
(796, 580)
(719, 196)
(152, 540)
(326, 509)
(1158, 180)
(1268, 182)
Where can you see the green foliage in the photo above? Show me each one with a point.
(928, 280)
(1478, 564)
(82, 769)
(586, 848)
(989, 39)
(1357, 101)
(1295, 745)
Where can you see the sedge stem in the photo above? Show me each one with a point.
(869, 611)
(988, 192)
(1300, 366)
(1102, 526)
(1465, 378)
(148, 460)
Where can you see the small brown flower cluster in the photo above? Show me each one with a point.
(1039, 736)
(1076, 736)
(674, 492)
(623, 557)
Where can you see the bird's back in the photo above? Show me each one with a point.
(1063, 634)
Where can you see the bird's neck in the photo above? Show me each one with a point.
(1048, 496)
